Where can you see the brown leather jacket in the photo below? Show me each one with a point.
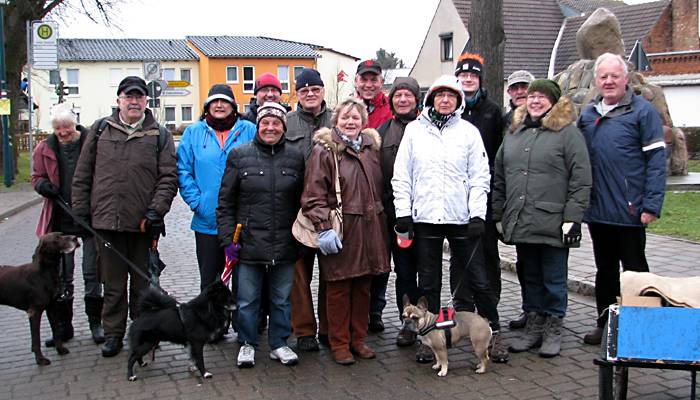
(119, 177)
(364, 222)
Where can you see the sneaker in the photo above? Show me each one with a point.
(424, 354)
(307, 343)
(246, 356)
(498, 352)
(285, 355)
(375, 323)
(594, 337)
(520, 322)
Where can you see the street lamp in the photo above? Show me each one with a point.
(6, 150)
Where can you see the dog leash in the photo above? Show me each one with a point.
(466, 268)
(107, 244)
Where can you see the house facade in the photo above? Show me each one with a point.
(238, 60)
(91, 70)
(337, 72)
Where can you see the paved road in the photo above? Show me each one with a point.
(84, 374)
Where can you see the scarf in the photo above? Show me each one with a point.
(471, 102)
(221, 125)
(356, 144)
(438, 119)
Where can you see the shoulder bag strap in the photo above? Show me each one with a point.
(337, 182)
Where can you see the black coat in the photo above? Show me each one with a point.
(261, 189)
(487, 116)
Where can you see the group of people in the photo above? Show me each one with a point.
(453, 167)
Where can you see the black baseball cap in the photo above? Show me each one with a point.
(131, 83)
(369, 66)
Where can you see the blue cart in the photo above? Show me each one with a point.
(647, 337)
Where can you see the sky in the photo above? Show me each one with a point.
(355, 27)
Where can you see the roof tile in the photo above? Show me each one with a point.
(251, 47)
(124, 50)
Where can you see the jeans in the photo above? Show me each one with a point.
(250, 281)
(613, 245)
(467, 274)
(545, 271)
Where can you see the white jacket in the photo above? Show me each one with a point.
(441, 176)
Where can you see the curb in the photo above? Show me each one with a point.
(576, 286)
(12, 211)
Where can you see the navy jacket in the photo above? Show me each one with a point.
(628, 160)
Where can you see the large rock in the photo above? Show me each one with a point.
(599, 34)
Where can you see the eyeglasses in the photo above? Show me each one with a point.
(303, 92)
(132, 97)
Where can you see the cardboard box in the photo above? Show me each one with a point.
(641, 301)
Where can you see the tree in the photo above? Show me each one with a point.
(486, 37)
(17, 13)
(388, 60)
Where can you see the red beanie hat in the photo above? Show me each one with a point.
(267, 79)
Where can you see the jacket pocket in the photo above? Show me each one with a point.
(547, 218)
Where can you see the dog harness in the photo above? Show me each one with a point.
(445, 321)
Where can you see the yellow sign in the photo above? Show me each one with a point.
(178, 84)
(4, 106)
(44, 31)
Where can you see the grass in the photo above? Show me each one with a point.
(693, 165)
(679, 217)
(23, 178)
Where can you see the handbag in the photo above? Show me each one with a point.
(303, 229)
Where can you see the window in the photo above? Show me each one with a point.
(246, 108)
(446, 47)
(231, 74)
(134, 72)
(248, 79)
(169, 74)
(170, 117)
(186, 75)
(186, 113)
(283, 76)
(72, 81)
(115, 76)
(297, 71)
(54, 77)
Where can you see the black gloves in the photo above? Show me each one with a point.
(570, 233)
(155, 226)
(476, 227)
(405, 225)
(48, 189)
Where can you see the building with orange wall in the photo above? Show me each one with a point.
(239, 60)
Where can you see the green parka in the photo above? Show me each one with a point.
(542, 177)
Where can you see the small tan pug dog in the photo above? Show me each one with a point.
(417, 318)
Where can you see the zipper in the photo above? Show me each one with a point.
(274, 205)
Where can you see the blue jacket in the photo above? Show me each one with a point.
(200, 167)
(628, 161)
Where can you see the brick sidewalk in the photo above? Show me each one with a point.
(84, 374)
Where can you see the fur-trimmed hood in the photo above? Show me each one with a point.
(559, 117)
(325, 137)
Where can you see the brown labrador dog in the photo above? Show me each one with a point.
(34, 287)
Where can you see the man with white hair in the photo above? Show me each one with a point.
(54, 162)
(628, 161)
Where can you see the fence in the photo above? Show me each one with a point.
(21, 141)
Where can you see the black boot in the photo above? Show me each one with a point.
(62, 316)
(93, 309)
(112, 347)
(53, 313)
